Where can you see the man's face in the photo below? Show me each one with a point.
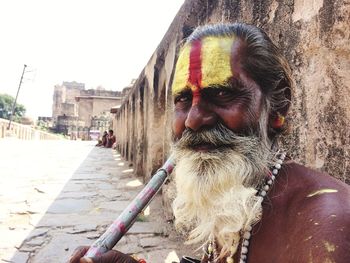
(210, 87)
(221, 149)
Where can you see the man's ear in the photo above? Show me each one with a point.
(281, 98)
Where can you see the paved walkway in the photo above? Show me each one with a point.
(57, 195)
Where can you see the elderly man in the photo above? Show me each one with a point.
(239, 195)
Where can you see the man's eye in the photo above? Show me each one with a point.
(184, 98)
(222, 93)
(220, 96)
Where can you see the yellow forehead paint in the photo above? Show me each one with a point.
(181, 70)
(203, 63)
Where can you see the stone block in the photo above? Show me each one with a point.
(145, 228)
(60, 248)
(38, 232)
(152, 242)
(67, 206)
(19, 257)
(79, 229)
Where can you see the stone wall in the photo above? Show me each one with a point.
(101, 93)
(24, 132)
(103, 105)
(315, 38)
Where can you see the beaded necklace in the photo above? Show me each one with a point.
(211, 250)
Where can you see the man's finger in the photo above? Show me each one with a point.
(77, 254)
(111, 256)
(87, 260)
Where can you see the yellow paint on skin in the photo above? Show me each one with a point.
(181, 71)
(323, 191)
(326, 260)
(216, 60)
(215, 64)
(308, 238)
(329, 246)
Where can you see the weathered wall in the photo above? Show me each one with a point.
(65, 94)
(102, 106)
(314, 36)
(24, 132)
(85, 107)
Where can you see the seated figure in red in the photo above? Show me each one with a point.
(110, 139)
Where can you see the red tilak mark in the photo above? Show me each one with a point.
(195, 65)
(196, 94)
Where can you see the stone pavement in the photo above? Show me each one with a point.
(57, 195)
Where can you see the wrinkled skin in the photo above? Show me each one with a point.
(306, 215)
(238, 106)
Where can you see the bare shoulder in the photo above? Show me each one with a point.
(318, 214)
(309, 188)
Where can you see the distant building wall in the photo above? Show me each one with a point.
(103, 105)
(68, 109)
(64, 99)
(101, 93)
(314, 36)
(93, 110)
(85, 110)
(76, 110)
(58, 99)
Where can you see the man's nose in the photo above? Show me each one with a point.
(200, 117)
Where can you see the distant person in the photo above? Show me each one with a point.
(103, 141)
(110, 139)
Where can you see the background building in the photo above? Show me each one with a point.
(76, 112)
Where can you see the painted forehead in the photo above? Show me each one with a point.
(204, 63)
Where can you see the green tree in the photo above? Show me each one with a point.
(6, 102)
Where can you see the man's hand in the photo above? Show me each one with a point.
(111, 256)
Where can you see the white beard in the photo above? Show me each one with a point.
(216, 191)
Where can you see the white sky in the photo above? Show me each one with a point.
(96, 42)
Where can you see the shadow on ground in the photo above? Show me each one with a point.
(96, 193)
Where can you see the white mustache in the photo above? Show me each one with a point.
(217, 136)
